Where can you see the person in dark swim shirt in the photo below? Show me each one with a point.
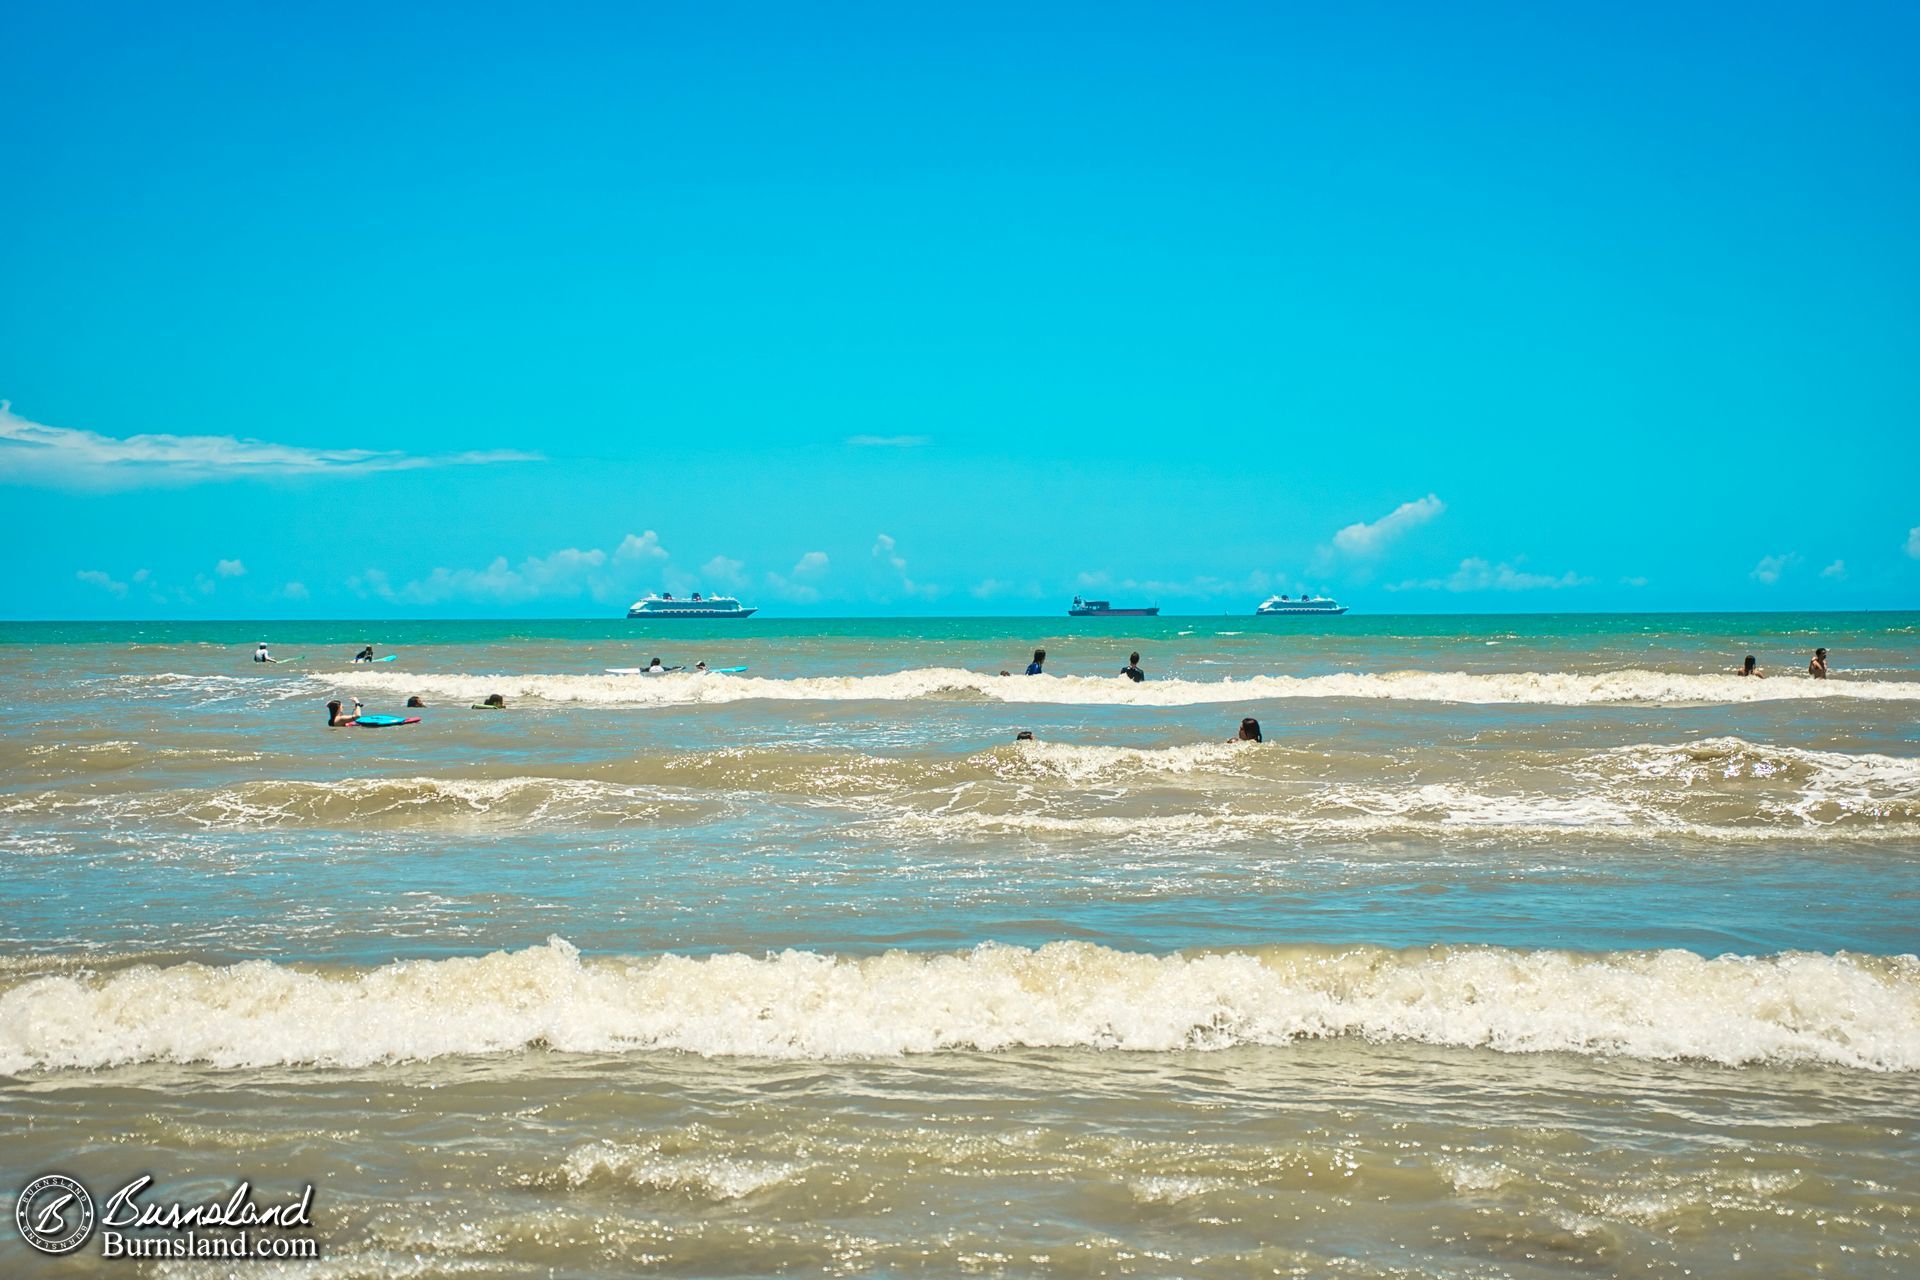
(1039, 660)
(1132, 670)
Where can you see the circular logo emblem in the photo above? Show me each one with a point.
(54, 1214)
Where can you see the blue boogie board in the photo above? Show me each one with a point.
(384, 722)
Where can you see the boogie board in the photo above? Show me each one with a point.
(724, 671)
(384, 722)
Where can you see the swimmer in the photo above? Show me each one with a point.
(1818, 667)
(1748, 668)
(335, 720)
(1025, 735)
(260, 653)
(1132, 670)
(700, 666)
(1039, 660)
(658, 668)
(414, 701)
(1249, 731)
(365, 655)
(494, 702)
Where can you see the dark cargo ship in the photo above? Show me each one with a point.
(1104, 609)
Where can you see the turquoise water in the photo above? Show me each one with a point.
(793, 966)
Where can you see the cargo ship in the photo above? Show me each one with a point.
(1104, 609)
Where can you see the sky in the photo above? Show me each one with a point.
(480, 311)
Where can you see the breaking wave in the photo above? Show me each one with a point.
(1841, 1010)
(1722, 788)
(1631, 687)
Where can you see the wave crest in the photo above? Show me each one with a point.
(1834, 1010)
(1550, 688)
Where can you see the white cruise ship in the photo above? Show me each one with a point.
(1290, 606)
(668, 605)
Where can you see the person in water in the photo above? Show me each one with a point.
(1132, 670)
(1818, 667)
(494, 702)
(1025, 735)
(260, 653)
(658, 668)
(1249, 731)
(1749, 668)
(335, 720)
(365, 655)
(414, 701)
(1039, 660)
(700, 666)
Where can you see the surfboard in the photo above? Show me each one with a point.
(623, 671)
(355, 662)
(724, 671)
(384, 722)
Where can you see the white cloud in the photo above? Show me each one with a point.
(1837, 570)
(1770, 568)
(34, 452)
(889, 442)
(645, 546)
(1475, 574)
(887, 551)
(1635, 581)
(230, 569)
(799, 585)
(725, 571)
(1913, 542)
(100, 578)
(568, 572)
(1139, 591)
(1370, 539)
(295, 591)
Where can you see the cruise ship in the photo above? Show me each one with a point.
(1291, 606)
(1104, 609)
(667, 605)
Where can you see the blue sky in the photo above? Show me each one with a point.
(476, 311)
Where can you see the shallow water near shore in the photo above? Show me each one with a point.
(1523, 946)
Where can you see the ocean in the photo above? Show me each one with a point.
(1523, 946)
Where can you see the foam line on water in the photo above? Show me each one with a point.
(1840, 1010)
(1550, 688)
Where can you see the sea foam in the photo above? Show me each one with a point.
(1841, 1010)
(1553, 688)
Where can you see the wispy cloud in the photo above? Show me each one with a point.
(1770, 568)
(1475, 574)
(103, 580)
(566, 572)
(1913, 542)
(32, 452)
(887, 551)
(569, 573)
(1837, 571)
(230, 569)
(799, 585)
(1365, 539)
(724, 571)
(889, 442)
(1153, 590)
